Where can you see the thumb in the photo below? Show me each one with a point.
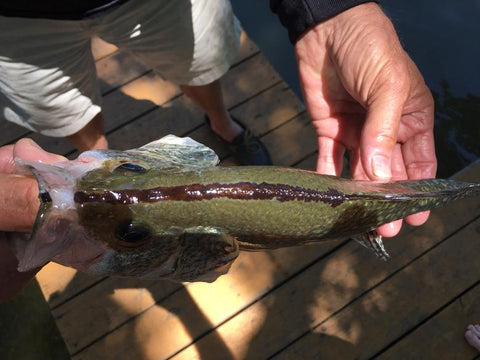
(379, 136)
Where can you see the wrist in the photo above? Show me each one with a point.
(300, 16)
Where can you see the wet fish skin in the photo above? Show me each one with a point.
(166, 211)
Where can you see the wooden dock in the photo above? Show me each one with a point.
(327, 301)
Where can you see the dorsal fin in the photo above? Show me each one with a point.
(181, 153)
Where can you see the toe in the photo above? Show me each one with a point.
(472, 339)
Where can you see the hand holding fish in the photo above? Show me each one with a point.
(365, 95)
(18, 209)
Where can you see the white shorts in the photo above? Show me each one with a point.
(47, 71)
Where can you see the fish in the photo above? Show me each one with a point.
(166, 210)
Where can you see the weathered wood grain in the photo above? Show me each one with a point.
(442, 336)
(375, 316)
(296, 312)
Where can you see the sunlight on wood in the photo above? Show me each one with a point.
(101, 48)
(133, 301)
(340, 271)
(154, 334)
(155, 340)
(151, 88)
(54, 279)
(233, 290)
(337, 280)
(237, 337)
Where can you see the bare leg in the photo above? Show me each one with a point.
(91, 137)
(472, 335)
(210, 99)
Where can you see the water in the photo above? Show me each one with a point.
(442, 37)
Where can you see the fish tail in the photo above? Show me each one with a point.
(444, 190)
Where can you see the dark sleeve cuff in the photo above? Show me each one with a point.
(300, 15)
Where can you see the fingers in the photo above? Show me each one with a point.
(26, 149)
(330, 156)
(398, 173)
(379, 135)
(19, 194)
(390, 229)
(18, 202)
(6, 159)
(29, 150)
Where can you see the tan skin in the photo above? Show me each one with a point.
(366, 96)
(363, 93)
(18, 208)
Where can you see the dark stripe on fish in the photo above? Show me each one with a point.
(197, 192)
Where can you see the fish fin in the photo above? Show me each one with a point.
(46, 241)
(48, 176)
(206, 254)
(373, 241)
(180, 152)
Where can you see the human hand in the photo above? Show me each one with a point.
(18, 208)
(366, 96)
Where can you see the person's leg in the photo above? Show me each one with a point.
(210, 99)
(48, 79)
(191, 43)
(91, 136)
(472, 335)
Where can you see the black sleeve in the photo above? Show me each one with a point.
(299, 15)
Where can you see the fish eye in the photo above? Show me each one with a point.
(132, 235)
(131, 167)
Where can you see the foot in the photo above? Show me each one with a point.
(227, 129)
(246, 148)
(472, 335)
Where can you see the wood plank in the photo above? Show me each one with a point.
(165, 330)
(143, 95)
(407, 298)
(101, 48)
(443, 335)
(367, 325)
(318, 293)
(298, 137)
(60, 283)
(181, 115)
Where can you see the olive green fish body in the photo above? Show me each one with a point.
(269, 207)
(165, 210)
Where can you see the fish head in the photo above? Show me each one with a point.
(114, 239)
(137, 246)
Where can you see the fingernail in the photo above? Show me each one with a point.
(381, 167)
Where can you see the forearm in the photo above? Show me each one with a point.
(18, 202)
(300, 15)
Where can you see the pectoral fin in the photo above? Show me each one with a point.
(206, 254)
